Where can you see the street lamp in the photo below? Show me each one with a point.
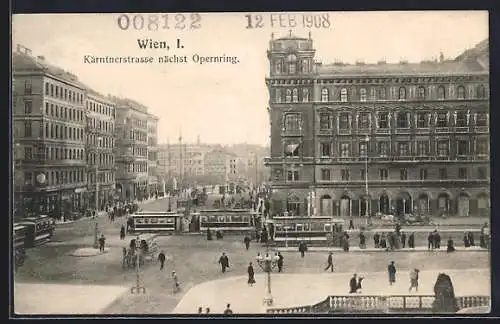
(137, 289)
(367, 141)
(96, 229)
(267, 264)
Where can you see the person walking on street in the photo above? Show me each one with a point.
(330, 262)
(228, 310)
(161, 258)
(280, 262)
(122, 232)
(251, 275)
(302, 249)
(362, 240)
(411, 241)
(403, 240)
(430, 241)
(353, 284)
(177, 285)
(224, 262)
(102, 242)
(414, 280)
(376, 240)
(246, 240)
(391, 269)
(351, 224)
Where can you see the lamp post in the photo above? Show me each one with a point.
(96, 229)
(267, 264)
(367, 141)
(137, 289)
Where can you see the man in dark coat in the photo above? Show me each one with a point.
(411, 241)
(450, 247)
(161, 258)
(403, 240)
(302, 249)
(246, 240)
(345, 242)
(437, 240)
(353, 284)
(102, 241)
(280, 262)
(351, 224)
(471, 238)
(466, 240)
(122, 232)
(376, 240)
(329, 262)
(251, 274)
(209, 234)
(444, 301)
(362, 240)
(430, 241)
(391, 269)
(224, 262)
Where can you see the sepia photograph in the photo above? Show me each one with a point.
(251, 163)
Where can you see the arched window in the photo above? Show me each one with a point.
(402, 93)
(480, 91)
(421, 93)
(292, 122)
(343, 95)
(362, 94)
(382, 94)
(288, 96)
(295, 95)
(277, 94)
(460, 92)
(279, 66)
(373, 94)
(305, 95)
(441, 93)
(305, 66)
(324, 95)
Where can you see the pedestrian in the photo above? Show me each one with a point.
(362, 240)
(351, 224)
(403, 240)
(280, 262)
(224, 262)
(122, 232)
(359, 286)
(353, 284)
(466, 240)
(102, 241)
(437, 240)
(391, 269)
(411, 241)
(228, 310)
(302, 249)
(414, 280)
(430, 241)
(471, 238)
(376, 240)
(207, 310)
(251, 275)
(450, 246)
(246, 240)
(161, 258)
(329, 262)
(209, 234)
(383, 242)
(200, 310)
(345, 242)
(177, 285)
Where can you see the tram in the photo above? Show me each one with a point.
(317, 230)
(39, 230)
(228, 220)
(156, 222)
(19, 243)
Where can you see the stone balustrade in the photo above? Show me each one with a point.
(378, 304)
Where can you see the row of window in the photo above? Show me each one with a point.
(140, 151)
(103, 176)
(105, 159)
(56, 131)
(345, 174)
(375, 94)
(383, 120)
(404, 148)
(100, 108)
(291, 65)
(57, 177)
(104, 126)
(138, 135)
(64, 113)
(137, 167)
(53, 153)
(63, 93)
(100, 141)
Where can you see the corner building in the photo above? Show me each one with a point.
(350, 140)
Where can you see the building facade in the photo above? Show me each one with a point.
(217, 164)
(353, 140)
(48, 137)
(100, 142)
(131, 149)
(153, 183)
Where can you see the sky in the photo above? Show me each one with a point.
(227, 103)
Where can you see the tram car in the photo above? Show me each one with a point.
(155, 222)
(228, 220)
(39, 230)
(315, 230)
(19, 243)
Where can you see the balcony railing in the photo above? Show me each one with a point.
(379, 304)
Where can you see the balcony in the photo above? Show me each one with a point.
(403, 130)
(292, 133)
(442, 130)
(481, 129)
(325, 132)
(344, 131)
(381, 131)
(462, 129)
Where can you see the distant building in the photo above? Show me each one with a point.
(219, 165)
(100, 142)
(154, 185)
(48, 107)
(356, 139)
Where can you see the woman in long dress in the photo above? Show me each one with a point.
(251, 274)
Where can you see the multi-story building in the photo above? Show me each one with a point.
(183, 161)
(48, 137)
(100, 140)
(218, 166)
(131, 149)
(357, 139)
(153, 184)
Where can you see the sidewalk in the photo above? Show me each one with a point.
(358, 249)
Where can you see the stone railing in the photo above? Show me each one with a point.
(378, 304)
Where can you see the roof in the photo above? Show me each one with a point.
(23, 61)
(388, 69)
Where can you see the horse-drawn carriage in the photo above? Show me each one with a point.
(142, 249)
